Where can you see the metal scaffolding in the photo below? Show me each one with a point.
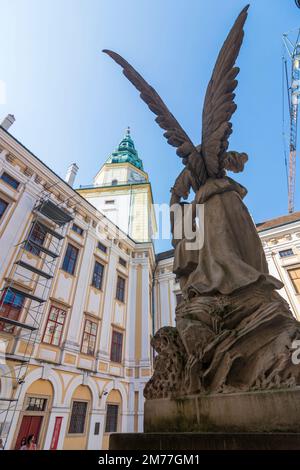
(29, 286)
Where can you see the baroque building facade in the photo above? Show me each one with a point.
(80, 374)
(82, 292)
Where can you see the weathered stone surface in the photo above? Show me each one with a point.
(222, 344)
(270, 411)
(190, 441)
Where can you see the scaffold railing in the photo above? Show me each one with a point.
(28, 287)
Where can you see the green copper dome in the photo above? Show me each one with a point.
(126, 152)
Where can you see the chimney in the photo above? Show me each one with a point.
(71, 174)
(8, 121)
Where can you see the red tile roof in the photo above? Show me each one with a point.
(278, 221)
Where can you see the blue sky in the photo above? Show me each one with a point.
(72, 103)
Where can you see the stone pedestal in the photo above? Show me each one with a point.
(269, 411)
(265, 420)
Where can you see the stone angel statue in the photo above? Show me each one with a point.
(229, 295)
(228, 261)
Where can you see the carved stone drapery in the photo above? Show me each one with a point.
(223, 344)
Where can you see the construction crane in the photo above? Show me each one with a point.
(292, 55)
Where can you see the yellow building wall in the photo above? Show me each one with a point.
(40, 387)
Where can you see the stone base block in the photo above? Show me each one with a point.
(252, 412)
(204, 441)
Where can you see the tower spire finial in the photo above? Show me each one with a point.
(128, 130)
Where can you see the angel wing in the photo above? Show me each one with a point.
(219, 104)
(174, 134)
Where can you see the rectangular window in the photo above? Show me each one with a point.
(285, 253)
(11, 307)
(120, 293)
(89, 337)
(102, 247)
(122, 261)
(36, 404)
(116, 347)
(78, 416)
(37, 235)
(112, 412)
(3, 207)
(98, 275)
(10, 180)
(77, 229)
(295, 278)
(70, 259)
(55, 325)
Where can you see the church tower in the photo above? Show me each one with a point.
(121, 190)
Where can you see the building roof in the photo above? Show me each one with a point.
(278, 221)
(126, 152)
(164, 255)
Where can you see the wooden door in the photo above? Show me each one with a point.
(29, 425)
